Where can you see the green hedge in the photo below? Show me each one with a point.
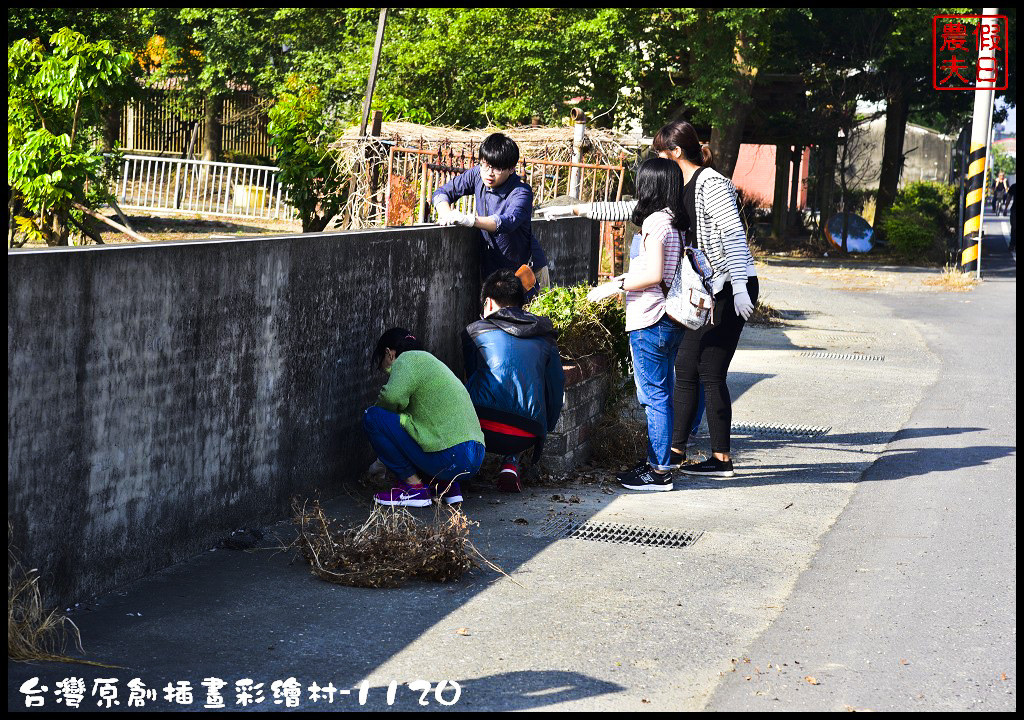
(919, 224)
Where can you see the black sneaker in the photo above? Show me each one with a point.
(676, 460)
(712, 467)
(643, 477)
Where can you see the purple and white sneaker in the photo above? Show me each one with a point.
(405, 496)
(449, 491)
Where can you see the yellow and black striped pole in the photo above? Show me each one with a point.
(974, 202)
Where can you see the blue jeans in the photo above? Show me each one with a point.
(404, 457)
(654, 355)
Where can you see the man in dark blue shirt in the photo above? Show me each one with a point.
(504, 205)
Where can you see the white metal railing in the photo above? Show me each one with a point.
(202, 187)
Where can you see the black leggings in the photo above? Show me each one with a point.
(705, 355)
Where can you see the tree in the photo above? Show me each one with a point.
(308, 169)
(56, 99)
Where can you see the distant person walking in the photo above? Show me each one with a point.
(999, 192)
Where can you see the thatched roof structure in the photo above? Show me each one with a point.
(552, 143)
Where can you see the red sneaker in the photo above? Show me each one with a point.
(508, 478)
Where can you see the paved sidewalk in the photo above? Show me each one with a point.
(586, 625)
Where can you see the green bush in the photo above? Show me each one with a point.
(921, 220)
(586, 328)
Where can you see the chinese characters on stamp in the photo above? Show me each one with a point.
(970, 52)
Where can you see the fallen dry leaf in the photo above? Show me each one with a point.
(1002, 677)
(462, 631)
(904, 661)
(811, 680)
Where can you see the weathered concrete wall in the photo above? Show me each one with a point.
(927, 155)
(161, 395)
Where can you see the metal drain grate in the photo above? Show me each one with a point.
(843, 356)
(567, 527)
(766, 429)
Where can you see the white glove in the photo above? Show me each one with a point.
(447, 218)
(606, 290)
(741, 301)
(556, 211)
(464, 219)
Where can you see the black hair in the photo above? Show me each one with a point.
(499, 151)
(398, 339)
(680, 134)
(503, 287)
(659, 184)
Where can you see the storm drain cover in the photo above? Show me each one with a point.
(568, 527)
(786, 430)
(843, 356)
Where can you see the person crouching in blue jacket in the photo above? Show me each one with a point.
(514, 374)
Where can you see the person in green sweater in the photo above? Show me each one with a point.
(423, 425)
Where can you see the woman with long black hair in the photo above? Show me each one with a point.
(705, 355)
(654, 337)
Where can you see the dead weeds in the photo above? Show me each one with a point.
(35, 634)
(389, 548)
(952, 279)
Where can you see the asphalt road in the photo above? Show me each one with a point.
(911, 602)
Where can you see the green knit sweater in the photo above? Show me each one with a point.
(432, 404)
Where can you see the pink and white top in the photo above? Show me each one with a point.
(646, 307)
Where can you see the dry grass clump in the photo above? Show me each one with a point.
(618, 440)
(952, 279)
(765, 314)
(389, 548)
(35, 634)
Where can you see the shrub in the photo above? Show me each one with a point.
(911, 233)
(921, 220)
(586, 328)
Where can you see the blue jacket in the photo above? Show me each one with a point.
(514, 370)
(511, 206)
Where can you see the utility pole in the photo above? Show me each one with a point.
(974, 205)
(372, 81)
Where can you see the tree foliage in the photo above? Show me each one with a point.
(308, 169)
(54, 122)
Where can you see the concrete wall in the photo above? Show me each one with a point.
(162, 395)
(927, 155)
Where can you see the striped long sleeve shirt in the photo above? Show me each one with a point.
(719, 230)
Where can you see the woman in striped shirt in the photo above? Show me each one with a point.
(654, 337)
(705, 355)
